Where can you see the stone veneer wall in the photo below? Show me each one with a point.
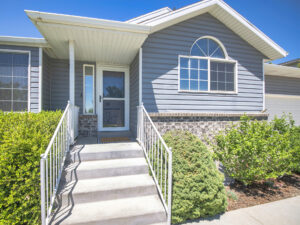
(203, 125)
(88, 125)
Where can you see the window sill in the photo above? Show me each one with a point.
(209, 92)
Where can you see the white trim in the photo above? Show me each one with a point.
(214, 39)
(23, 41)
(282, 96)
(280, 70)
(264, 86)
(140, 76)
(99, 90)
(71, 72)
(40, 78)
(83, 95)
(55, 18)
(28, 73)
(208, 73)
(148, 16)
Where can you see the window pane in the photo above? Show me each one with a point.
(89, 94)
(184, 74)
(5, 94)
(203, 64)
(212, 46)
(221, 86)
(221, 67)
(184, 62)
(5, 82)
(203, 75)
(229, 87)
(213, 76)
(20, 71)
(213, 86)
(20, 95)
(194, 85)
(229, 67)
(6, 58)
(184, 84)
(113, 84)
(221, 77)
(194, 74)
(230, 77)
(89, 70)
(213, 66)
(218, 54)
(5, 105)
(5, 70)
(20, 82)
(196, 51)
(203, 44)
(20, 59)
(203, 85)
(19, 106)
(194, 63)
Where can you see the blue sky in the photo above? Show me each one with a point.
(279, 19)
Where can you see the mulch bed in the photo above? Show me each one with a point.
(264, 192)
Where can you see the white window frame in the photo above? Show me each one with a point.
(28, 74)
(208, 72)
(83, 108)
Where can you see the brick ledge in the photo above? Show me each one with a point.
(207, 114)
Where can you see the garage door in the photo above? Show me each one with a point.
(279, 104)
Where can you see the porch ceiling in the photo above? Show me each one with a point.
(108, 42)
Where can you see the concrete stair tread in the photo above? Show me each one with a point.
(111, 164)
(116, 210)
(112, 183)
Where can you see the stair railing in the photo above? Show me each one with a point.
(159, 157)
(52, 161)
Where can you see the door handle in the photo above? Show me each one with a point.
(100, 97)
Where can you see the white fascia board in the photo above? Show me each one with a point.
(282, 71)
(141, 19)
(36, 16)
(23, 41)
(204, 6)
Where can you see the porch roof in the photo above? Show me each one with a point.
(282, 71)
(105, 41)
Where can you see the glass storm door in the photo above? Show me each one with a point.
(113, 101)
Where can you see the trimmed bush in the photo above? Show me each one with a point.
(256, 150)
(198, 189)
(23, 138)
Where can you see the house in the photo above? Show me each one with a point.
(293, 63)
(196, 68)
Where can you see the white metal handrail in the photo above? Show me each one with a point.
(52, 161)
(159, 157)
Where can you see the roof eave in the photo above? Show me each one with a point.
(23, 41)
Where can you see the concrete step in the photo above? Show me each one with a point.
(107, 151)
(129, 211)
(108, 168)
(109, 188)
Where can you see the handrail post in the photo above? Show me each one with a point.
(170, 187)
(43, 199)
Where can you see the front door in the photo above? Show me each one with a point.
(113, 99)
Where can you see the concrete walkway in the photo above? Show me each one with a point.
(283, 212)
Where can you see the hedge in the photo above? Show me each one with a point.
(23, 137)
(258, 150)
(198, 189)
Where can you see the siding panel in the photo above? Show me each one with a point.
(282, 85)
(160, 70)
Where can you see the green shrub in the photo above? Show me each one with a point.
(198, 189)
(256, 150)
(23, 137)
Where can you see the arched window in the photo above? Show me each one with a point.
(207, 68)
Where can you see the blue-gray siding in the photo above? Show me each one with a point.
(46, 89)
(59, 83)
(34, 73)
(134, 93)
(282, 85)
(160, 70)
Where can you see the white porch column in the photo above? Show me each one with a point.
(72, 72)
(72, 88)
